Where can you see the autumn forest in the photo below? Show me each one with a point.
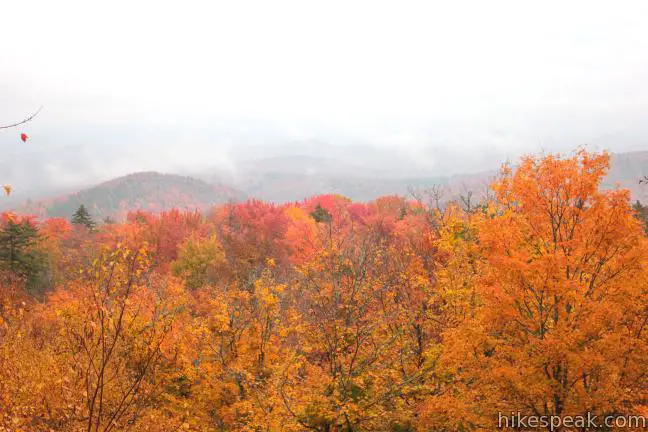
(400, 314)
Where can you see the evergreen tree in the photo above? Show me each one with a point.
(83, 218)
(19, 254)
(320, 214)
(641, 214)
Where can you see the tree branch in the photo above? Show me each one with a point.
(30, 118)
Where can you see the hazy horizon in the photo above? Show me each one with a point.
(407, 89)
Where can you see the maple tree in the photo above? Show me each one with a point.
(199, 261)
(557, 326)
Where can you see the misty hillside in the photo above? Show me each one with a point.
(150, 191)
(280, 178)
(627, 169)
(293, 177)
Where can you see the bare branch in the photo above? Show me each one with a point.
(30, 118)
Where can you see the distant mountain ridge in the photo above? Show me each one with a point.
(286, 179)
(293, 177)
(150, 191)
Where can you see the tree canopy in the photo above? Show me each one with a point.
(332, 315)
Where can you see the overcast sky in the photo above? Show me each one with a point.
(154, 85)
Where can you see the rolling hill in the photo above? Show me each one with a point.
(149, 191)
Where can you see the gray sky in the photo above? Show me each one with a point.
(135, 85)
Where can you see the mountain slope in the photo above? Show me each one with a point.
(293, 177)
(150, 191)
(627, 169)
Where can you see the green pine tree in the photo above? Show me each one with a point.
(19, 253)
(320, 214)
(82, 217)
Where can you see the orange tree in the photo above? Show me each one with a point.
(558, 324)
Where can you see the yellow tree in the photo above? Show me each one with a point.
(201, 261)
(112, 325)
(239, 343)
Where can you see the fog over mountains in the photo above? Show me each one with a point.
(245, 95)
(314, 168)
(56, 161)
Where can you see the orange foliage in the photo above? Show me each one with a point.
(329, 315)
(557, 325)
